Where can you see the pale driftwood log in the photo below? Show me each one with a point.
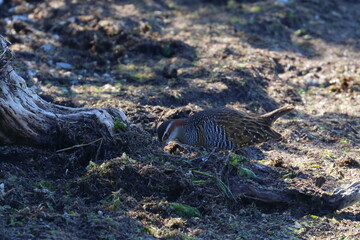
(27, 119)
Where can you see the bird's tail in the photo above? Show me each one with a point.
(271, 117)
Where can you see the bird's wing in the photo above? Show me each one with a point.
(240, 128)
(245, 130)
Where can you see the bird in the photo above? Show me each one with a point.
(222, 128)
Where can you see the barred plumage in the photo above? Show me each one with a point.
(222, 128)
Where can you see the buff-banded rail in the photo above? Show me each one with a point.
(222, 128)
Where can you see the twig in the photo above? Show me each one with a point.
(3, 42)
(3, 53)
(223, 187)
(226, 163)
(2, 197)
(79, 145)
(171, 156)
(98, 150)
(352, 128)
(204, 157)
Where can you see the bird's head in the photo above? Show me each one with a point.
(171, 130)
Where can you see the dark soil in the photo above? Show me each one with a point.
(165, 59)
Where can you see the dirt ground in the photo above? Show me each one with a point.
(164, 59)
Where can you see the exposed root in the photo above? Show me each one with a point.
(27, 119)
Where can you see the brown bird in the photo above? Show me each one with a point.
(222, 128)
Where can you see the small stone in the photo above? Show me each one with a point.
(74, 82)
(311, 81)
(170, 71)
(67, 74)
(2, 189)
(47, 47)
(64, 65)
(31, 73)
(297, 225)
(319, 181)
(71, 19)
(109, 87)
(20, 18)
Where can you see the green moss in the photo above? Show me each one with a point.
(90, 166)
(231, 4)
(44, 184)
(289, 175)
(255, 9)
(300, 32)
(235, 158)
(186, 237)
(235, 20)
(119, 126)
(12, 178)
(185, 210)
(245, 172)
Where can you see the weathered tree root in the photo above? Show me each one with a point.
(340, 199)
(27, 119)
(344, 197)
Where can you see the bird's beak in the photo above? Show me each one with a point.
(164, 143)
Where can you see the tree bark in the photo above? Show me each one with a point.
(27, 119)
